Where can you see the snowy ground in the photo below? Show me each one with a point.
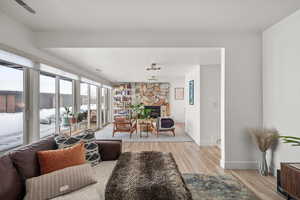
(11, 128)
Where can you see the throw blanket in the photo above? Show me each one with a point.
(146, 176)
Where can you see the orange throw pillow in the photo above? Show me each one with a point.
(53, 160)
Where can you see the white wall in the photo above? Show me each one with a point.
(243, 76)
(177, 106)
(17, 38)
(281, 83)
(243, 80)
(210, 102)
(192, 112)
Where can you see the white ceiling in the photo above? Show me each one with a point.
(128, 64)
(151, 15)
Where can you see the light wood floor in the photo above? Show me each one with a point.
(194, 159)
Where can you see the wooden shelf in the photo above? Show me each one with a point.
(122, 98)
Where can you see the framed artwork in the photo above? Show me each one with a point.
(191, 92)
(179, 93)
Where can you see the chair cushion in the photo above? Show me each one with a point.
(59, 182)
(53, 160)
(25, 158)
(89, 140)
(165, 123)
(11, 187)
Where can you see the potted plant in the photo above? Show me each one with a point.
(73, 118)
(295, 141)
(65, 118)
(140, 111)
(264, 139)
(82, 116)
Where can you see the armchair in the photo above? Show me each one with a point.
(121, 124)
(164, 124)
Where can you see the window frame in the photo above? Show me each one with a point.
(25, 100)
(32, 72)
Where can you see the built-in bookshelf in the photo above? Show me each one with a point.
(122, 99)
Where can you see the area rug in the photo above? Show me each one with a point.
(218, 187)
(146, 175)
(106, 134)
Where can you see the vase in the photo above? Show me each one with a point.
(263, 166)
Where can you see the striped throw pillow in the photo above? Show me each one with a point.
(59, 182)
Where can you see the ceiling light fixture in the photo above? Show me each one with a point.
(153, 67)
(152, 79)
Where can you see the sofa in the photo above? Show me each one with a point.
(22, 163)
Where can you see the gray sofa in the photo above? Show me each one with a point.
(18, 165)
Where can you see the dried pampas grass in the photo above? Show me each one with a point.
(263, 137)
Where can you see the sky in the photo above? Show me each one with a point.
(12, 80)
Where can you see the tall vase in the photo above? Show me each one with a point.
(263, 166)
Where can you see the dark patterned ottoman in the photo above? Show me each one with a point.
(146, 176)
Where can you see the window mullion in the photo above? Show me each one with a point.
(89, 105)
(57, 105)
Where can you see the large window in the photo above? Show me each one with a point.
(104, 110)
(84, 97)
(47, 105)
(11, 107)
(66, 104)
(93, 107)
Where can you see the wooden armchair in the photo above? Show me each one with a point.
(121, 124)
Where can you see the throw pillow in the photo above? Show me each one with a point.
(53, 160)
(89, 140)
(59, 182)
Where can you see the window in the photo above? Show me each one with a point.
(47, 105)
(104, 110)
(84, 97)
(93, 107)
(11, 107)
(84, 106)
(66, 104)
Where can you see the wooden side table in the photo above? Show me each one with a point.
(146, 125)
(289, 180)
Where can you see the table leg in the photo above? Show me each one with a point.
(147, 130)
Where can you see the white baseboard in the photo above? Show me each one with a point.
(238, 164)
(207, 143)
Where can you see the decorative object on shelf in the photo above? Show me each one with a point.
(191, 92)
(295, 141)
(264, 139)
(179, 93)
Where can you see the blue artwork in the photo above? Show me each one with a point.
(191, 92)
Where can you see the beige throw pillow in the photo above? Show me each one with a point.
(59, 182)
